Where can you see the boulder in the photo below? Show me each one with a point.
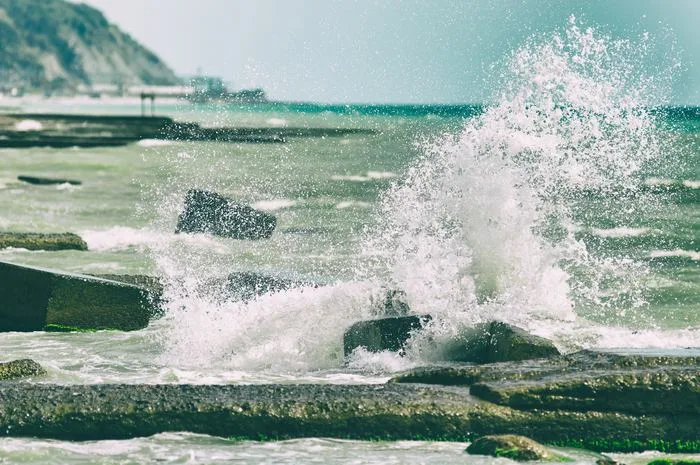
(497, 342)
(47, 181)
(34, 299)
(209, 212)
(511, 446)
(383, 334)
(42, 241)
(18, 369)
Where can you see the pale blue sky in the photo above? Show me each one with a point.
(385, 50)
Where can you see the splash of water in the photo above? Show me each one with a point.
(483, 227)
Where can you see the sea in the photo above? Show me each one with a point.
(569, 206)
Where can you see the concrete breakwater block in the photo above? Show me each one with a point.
(388, 412)
(484, 343)
(35, 299)
(209, 212)
(42, 241)
(47, 181)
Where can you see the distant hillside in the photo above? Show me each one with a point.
(54, 44)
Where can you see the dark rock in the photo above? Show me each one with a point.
(34, 299)
(18, 369)
(388, 412)
(392, 302)
(42, 241)
(47, 181)
(510, 446)
(382, 334)
(209, 212)
(497, 342)
(247, 286)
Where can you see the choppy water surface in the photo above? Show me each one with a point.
(565, 207)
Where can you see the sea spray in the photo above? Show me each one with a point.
(483, 227)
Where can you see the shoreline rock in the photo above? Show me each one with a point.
(35, 299)
(511, 446)
(384, 412)
(381, 334)
(42, 241)
(40, 181)
(18, 369)
(209, 212)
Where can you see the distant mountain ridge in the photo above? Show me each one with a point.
(55, 44)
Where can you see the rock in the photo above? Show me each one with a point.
(17, 369)
(42, 241)
(510, 446)
(386, 412)
(497, 342)
(47, 181)
(209, 212)
(383, 334)
(392, 302)
(34, 299)
(247, 286)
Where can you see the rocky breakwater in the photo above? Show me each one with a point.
(209, 212)
(421, 404)
(42, 241)
(35, 299)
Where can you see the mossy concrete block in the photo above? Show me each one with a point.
(18, 369)
(498, 342)
(383, 333)
(209, 212)
(34, 298)
(387, 412)
(42, 241)
(513, 447)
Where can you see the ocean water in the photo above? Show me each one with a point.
(569, 206)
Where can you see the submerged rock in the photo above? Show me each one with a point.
(18, 369)
(497, 342)
(511, 446)
(47, 181)
(42, 241)
(382, 334)
(209, 212)
(34, 299)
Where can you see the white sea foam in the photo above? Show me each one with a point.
(123, 238)
(279, 122)
(153, 143)
(274, 204)
(66, 186)
(28, 125)
(622, 232)
(691, 254)
(369, 176)
(352, 204)
(659, 182)
(692, 184)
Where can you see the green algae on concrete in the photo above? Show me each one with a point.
(36, 298)
(42, 241)
(17, 369)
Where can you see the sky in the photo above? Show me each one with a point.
(394, 51)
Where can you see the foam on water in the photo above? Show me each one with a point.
(622, 232)
(274, 204)
(122, 238)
